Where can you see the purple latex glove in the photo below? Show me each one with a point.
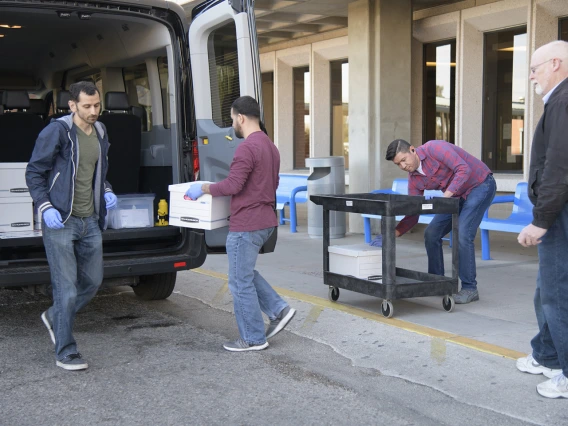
(111, 200)
(194, 191)
(53, 219)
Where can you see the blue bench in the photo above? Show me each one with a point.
(291, 189)
(399, 186)
(520, 217)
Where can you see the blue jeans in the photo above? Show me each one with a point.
(550, 345)
(471, 214)
(252, 295)
(75, 256)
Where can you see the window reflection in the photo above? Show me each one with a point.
(439, 91)
(340, 109)
(302, 95)
(505, 82)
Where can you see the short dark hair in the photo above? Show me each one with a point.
(396, 146)
(86, 87)
(248, 106)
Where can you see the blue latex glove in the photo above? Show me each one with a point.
(111, 200)
(53, 219)
(377, 242)
(194, 191)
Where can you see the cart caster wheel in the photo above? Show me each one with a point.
(333, 294)
(387, 309)
(448, 303)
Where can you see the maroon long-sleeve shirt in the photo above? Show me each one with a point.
(252, 182)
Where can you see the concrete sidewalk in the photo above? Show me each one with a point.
(504, 316)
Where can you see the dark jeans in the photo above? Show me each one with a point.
(550, 345)
(471, 214)
(75, 256)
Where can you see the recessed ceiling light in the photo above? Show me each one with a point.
(1, 35)
(12, 27)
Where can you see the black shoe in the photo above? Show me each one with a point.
(280, 322)
(73, 362)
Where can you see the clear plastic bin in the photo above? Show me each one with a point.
(132, 211)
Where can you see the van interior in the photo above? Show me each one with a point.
(132, 61)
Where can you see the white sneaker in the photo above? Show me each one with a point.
(557, 387)
(529, 365)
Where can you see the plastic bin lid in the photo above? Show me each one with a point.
(123, 196)
(355, 250)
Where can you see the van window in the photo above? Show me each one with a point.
(223, 72)
(165, 89)
(95, 77)
(138, 91)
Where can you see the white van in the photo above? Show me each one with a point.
(167, 87)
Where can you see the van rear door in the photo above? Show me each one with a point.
(225, 65)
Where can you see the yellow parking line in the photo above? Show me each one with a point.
(394, 322)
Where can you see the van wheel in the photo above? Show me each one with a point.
(155, 287)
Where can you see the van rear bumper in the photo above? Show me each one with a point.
(192, 256)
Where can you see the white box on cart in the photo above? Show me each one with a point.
(207, 212)
(16, 214)
(358, 260)
(13, 180)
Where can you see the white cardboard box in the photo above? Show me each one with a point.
(358, 260)
(16, 214)
(206, 212)
(13, 180)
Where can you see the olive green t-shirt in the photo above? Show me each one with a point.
(83, 205)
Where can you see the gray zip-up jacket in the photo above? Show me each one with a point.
(51, 171)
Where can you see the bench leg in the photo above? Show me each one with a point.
(292, 216)
(282, 215)
(367, 225)
(485, 255)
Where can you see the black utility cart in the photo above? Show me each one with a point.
(394, 283)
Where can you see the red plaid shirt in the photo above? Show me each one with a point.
(447, 168)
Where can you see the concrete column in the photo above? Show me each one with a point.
(542, 28)
(320, 134)
(380, 34)
(284, 110)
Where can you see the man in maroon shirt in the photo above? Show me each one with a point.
(443, 166)
(252, 183)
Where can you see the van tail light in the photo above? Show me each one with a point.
(195, 157)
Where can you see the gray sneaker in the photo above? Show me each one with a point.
(48, 325)
(466, 296)
(277, 325)
(72, 362)
(240, 345)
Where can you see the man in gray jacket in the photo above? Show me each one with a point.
(548, 191)
(66, 178)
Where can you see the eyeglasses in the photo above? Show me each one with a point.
(533, 69)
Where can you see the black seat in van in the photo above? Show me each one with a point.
(125, 137)
(18, 126)
(61, 105)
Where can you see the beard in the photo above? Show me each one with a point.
(538, 89)
(238, 132)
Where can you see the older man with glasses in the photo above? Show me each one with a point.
(548, 191)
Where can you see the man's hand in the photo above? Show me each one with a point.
(531, 235)
(448, 194)
(194, 192)
(111, 200)
(53, 219)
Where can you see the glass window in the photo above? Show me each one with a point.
(439, 91)
(138, 91)
(505, 82)
(165, 89)
(301, 116)
(563, 24)
(339, 77)
(224, 73)
(268, 100)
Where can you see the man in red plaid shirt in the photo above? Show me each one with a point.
(440, 165)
